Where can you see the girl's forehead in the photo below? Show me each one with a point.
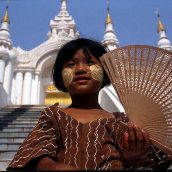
(81, 54)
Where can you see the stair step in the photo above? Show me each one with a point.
(7, 154)
(16, 122)
(23, 118)
(21, 109)
(20, 125)
(9, 146)
(25, 106)
(17, 129)
(14, 134)
(13, 116)
(19, 112)
(4, 164)
(12, 140)
(24, 122)
(18, 119)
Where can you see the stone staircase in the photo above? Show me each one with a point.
(15, 124)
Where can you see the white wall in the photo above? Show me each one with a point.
(109, 100)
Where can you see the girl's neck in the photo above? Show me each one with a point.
(85, 101)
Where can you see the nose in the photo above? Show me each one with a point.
(81, 68)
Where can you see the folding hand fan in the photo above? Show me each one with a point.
(142, 78)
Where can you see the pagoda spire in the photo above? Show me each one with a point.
(6, 16)
(63, 26)
(163, 41)
(63, 5)
(7, 55)
(5, 36)
(161, 27)
(108, 17)
(110, 40)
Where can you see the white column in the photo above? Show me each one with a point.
(35, 90)
(27, 85)
(8, 77)
(2, 70)
(41, 92)
(18, 88)
(13, 90)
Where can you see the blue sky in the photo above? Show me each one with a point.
(135, 21)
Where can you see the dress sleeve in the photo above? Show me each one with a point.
(42, 141)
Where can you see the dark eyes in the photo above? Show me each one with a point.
(71, 64)
(90, 62)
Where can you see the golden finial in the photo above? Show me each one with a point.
(160, 24)
(6, 16)
(108, 18)
(51, 88)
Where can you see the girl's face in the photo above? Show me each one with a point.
(83, 74)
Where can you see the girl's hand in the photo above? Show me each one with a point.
(134, 144)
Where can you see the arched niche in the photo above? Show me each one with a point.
(48, 93)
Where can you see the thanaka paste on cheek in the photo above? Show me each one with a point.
(67, 75)
(96, 72)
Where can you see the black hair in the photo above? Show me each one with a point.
(68, 51)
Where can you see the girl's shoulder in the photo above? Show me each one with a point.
(52, 110)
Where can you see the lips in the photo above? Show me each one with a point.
(81, 78)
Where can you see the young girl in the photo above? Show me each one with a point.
(83, 136)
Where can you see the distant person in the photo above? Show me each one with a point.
(84, 136)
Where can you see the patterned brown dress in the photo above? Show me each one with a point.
(89, 146)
